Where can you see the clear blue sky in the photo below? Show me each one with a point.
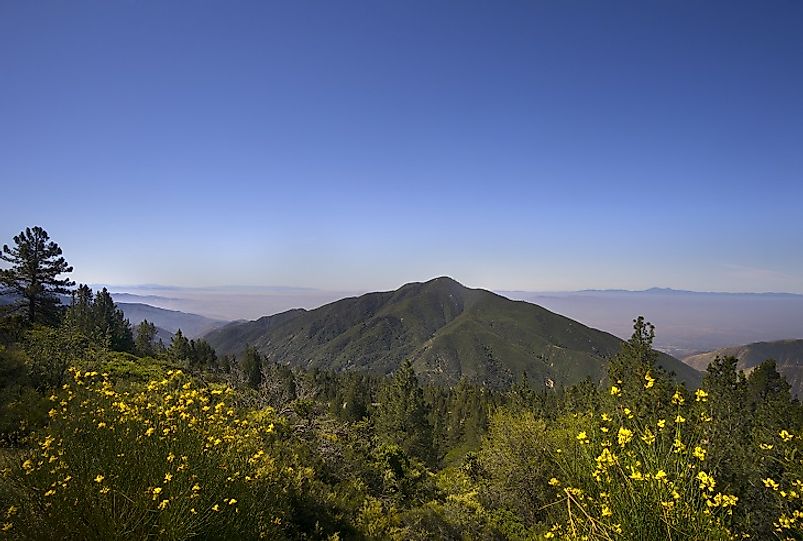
(513, 145)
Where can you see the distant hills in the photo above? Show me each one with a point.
(788, 355)
(191, 325)
(447, 330)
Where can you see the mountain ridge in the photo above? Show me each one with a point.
(447, 330)
(788, 356)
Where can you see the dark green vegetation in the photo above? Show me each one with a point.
(36, 264)
(448, 331)
(787, 354)
(107, 434)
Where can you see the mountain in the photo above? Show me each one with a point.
(447, 330)
(788, 355)
(191, 325)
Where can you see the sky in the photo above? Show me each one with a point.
(538, 145)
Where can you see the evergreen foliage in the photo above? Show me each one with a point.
(34, 276)
(251, 367)
(145, 339)
(402, 414)
(99, 319)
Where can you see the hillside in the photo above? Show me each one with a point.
(788, 354)
(447, 330)
(191, 325)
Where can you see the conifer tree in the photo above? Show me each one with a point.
(111, 324)
(145, 338)
(98, 318)
(403, 415)
(252, 367)
(203, 355)
(36, 264)
(179, 350)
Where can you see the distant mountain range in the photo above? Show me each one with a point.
(686, 322)
(788, 355)
(447, 330)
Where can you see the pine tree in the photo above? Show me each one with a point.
(111, 324)
(636, 356)
(80, 315)
(403, 414)
(251, 367)
(98, 318)
(179, 350)
(203, 355)
(34, 275)
(145, 338)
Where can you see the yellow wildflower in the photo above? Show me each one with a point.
(99, 479)
(7, 526)
(680, 419)
(554, 482)
(615, 391)
(785, 435)
(606, 458)
(624, 436)
(660, 475)
(163, 504)
(770, 483)
(636, 475)
(606, 511)
(150, 431)
(648, 437)
(232, 501)
(582, 437)
(661, 423)
(216, 508)
(706, 481)
(700, 395)
(677, 398)
(168, 477)
(699, 453)
(765, 446)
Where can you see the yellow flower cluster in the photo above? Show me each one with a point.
(179, 435)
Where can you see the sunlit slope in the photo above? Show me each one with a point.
(447, 330)
(788, 355)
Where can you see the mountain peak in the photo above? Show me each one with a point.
(447, 330)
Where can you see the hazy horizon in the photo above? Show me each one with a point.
(686, 322)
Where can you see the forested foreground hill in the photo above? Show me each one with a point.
(447, 330)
